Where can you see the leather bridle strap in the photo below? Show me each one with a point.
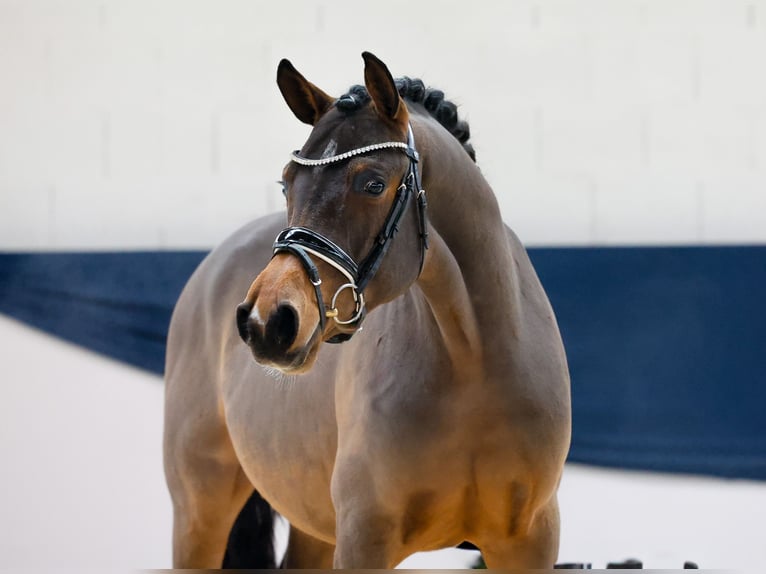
(318, 244)
(304, 242)
(410, 184)
(371, 263)
(311, 271)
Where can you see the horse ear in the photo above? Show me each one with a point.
(382, 89)
(306, 101)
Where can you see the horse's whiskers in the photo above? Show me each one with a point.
(274, 373)
(283, 380)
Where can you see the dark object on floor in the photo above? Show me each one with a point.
(629, 564)
(573, 566)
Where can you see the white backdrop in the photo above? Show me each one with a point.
(158, 123)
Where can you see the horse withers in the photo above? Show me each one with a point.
(444, 415)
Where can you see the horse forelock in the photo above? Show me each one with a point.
(413, 90)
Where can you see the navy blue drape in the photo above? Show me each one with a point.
(666, 345)
(118, 304)
(667, 355)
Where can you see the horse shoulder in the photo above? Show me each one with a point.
(204, 314)
(201, 325)
(282, 427)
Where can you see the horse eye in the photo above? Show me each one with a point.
(374, 187)
(284, 187)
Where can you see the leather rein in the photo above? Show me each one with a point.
(305, 243)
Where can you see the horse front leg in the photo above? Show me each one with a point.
(364, 540)
(536, 547)
(207, 485)
(206, 501)
(304, 551)
(366, 531)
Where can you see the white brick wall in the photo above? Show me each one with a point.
(158, 123)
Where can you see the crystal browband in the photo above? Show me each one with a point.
(346, 155)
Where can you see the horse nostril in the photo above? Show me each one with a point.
(278, 335)
(243, 316)
(282, 327)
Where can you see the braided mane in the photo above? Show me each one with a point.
(414, 90)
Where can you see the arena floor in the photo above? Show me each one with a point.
(83, 484)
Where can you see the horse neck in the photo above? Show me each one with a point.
(470, 278)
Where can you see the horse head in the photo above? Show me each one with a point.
(348, 190)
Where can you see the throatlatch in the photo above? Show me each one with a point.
(304, 243)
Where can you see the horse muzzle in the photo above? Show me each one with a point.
(278, 319)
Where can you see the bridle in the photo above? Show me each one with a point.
(305, 243)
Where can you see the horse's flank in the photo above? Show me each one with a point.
(445, 419)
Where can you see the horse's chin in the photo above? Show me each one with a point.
(304, 366)
(296, 363)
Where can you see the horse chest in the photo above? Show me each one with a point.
(445, 493)
(448, 460)
(285, 436)
(452, 466)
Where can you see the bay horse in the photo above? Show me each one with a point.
(445, 419)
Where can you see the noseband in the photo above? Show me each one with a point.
(305, 243)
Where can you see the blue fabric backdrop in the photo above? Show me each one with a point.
(666, 346)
